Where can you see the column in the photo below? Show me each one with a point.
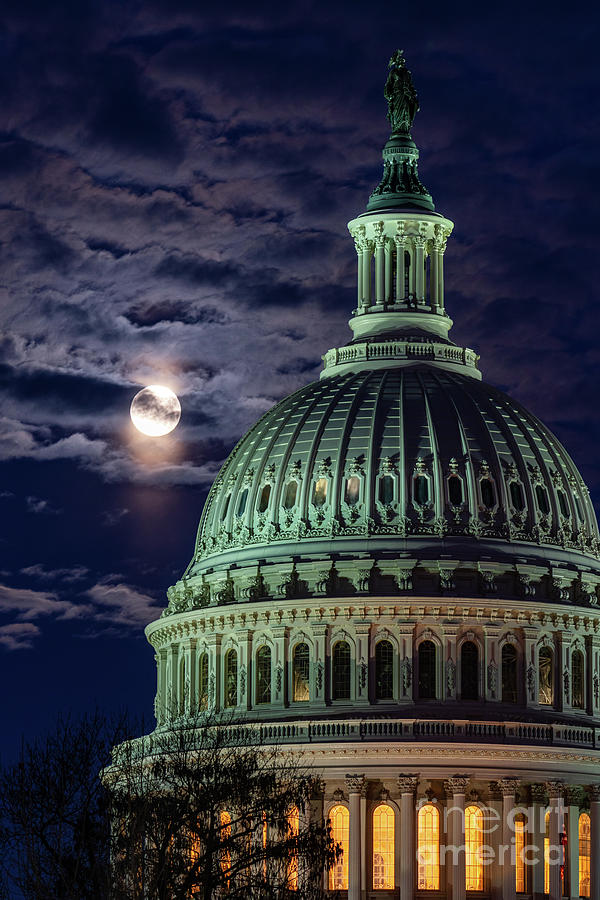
(279, 663)
(572, 804)
(362, 663)
(363, 839)
(555, 796)
(215, 701)
(455, 789)
(594, 793)
(355, 785)
(399, 240)
(189, 686)
(508, 787)
(434, 256)
(594, 668)
(379, 262)
(245, 669)
(317, 668)
(530, 667)
(419, 266)
(389, 256)
(161, 691)
(492, 664)
(537, 832)
(407, 785)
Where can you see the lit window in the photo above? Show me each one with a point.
(231, 678)
(340, 831)
(427, 670)
(516, 495)
(455, 490)
(584, 855)
(294, 829)
(263, 675)
(386, 489)
(203, 681)
(542, 499)
(263, 501)
(488, 494)
(473, 848)
(241, 509)
(428, 848)
(341, 671)
(564, 506)
(384, 671)
(225, 855)
(352, 490)
(320, 492)
(520, 854)
(509, 674)
(577, 679)
(546, 676)
(289, 497)
(383, 848)
(420, 490)
(300, 673)
(547, 855)
(469, 671)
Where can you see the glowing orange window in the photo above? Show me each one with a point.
(383, 847)
(428, 848)
(340, 832)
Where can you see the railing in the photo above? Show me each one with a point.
(400, 350)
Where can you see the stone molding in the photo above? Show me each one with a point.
(407, 784)
(539, 793)
(458, 784)
(508, 787)
(556, 790)
(356, 784)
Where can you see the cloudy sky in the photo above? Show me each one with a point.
(176, 178)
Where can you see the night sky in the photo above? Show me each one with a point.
(176, 180)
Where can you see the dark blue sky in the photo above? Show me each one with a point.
(176, 180)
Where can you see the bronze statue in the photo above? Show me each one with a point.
(400, 94)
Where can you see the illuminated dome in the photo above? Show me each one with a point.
(397, 573)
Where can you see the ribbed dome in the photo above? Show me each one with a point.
(413, 459)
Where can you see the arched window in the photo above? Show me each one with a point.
(289, 497)
(301, 673)
(584, 855)
(509, 674)
(520, 876)
(263, 500)
(546, 676)
(225, 854)
(428, 848)
(225, 507)
(241, 507)
(203, 681)
(577, 680)
(427, 670)
(320, 492)
(469, 671)
(352, 493)
(263, 675)
(516, 496)
(292, 866)
(341, 671)
(455, 490)
(547, 854)
(421, 490)
(564, 506)
(488, 494)
(473, 848)
(231, 672)
(384, 671)
(383, 847)
(386, 490)
(340, 830)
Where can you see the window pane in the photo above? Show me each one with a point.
(542, 499)
(263, 501)
(301, 673)
(289, 498)
(455, 492)
(320, 492)
(577, 670)
(203, 681)
(231, 678)
(519, 854)
(428, 848)
(488, 495)
(386, 490)
(421, 490)
(469, 671)
(292, 868)
(564, 506)
(473, 844)
(352, 490)
(263, 675)
(383, 848)
(584, 855)
(242, 503)
(340, 827)
(341, 671)
(427, 671)
(516, 495)
(225, 507)
(384, 671)
(509, 674)
(546, 676)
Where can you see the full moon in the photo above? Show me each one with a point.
(155, 410)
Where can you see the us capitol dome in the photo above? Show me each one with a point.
(396, 571)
